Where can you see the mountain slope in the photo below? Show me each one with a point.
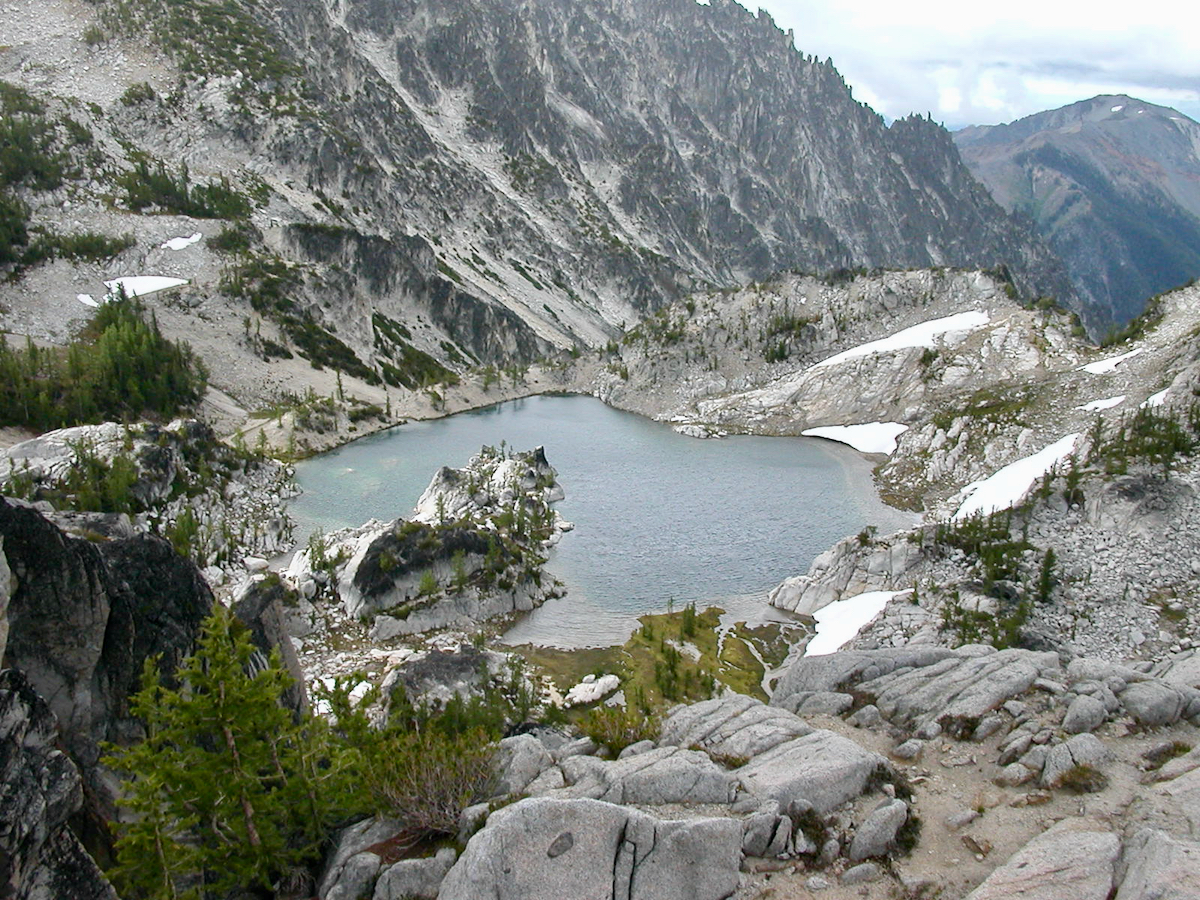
(496, 178)
(1113, 183)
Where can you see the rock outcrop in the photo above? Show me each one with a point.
(544, 849)
(472, 551)
(40, 789)
(178, 479)
(84, 615)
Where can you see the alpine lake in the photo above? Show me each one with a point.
(661, 519)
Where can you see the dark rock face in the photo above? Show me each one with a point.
(1113, 183)
(261, 610)
(40, 859)
(84, 616)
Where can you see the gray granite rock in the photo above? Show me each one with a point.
(863, 873)
(823, 768)
(415, 879)
(1080, 750)
(546, 849)
(519, 760)
(1071, 861)
(736, 726)
(1153, 703)
(876, 836)
(1156, 866)
(662, 775)
(1084, 714)
(350, 871)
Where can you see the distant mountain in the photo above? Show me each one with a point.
(1113, 183)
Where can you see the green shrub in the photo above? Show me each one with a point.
(1083, 779)
(137, 94)
(426, 779)
(618, 727)
(155, 186)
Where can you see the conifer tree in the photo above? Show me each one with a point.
(221, 789)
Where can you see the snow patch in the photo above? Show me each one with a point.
(1097, 405)
(87, 300)
(1104, 366)
(141, 285)
(1156, 400)
(1006, 487)
(872, 437)
(922, 335)
(182, 243)
(841, 620)
(1117, 108)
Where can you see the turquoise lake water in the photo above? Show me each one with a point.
(659, 517)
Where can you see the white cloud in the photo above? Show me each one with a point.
(976, 63)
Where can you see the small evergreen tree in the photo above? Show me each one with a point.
(222, 787)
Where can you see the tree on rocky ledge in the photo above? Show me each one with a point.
(223, 789)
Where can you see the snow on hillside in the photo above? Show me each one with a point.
(922, 335)
(1006, 487)
(872, 437)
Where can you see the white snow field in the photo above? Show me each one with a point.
(1104, 366)
(841, 620)
(1006, 487)
(1156, 400)
(1097, 405)
(141, 285)
(182, 243)
(872, 437)
(922, 335)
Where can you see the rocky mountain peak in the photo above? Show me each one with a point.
(1113, 183)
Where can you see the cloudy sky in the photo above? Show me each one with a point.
(983, 63)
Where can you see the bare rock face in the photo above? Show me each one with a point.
(5, 595)
(84, 616)
(1068, 862)
(545, 849)
(40, 859)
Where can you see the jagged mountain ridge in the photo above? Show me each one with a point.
(1113, 183)
(693, 141)
(506, 178)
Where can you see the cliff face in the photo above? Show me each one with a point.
(439, 185)
(1113, 183)
(627, 151)
(84, 615)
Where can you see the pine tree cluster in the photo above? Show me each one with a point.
(122, 369)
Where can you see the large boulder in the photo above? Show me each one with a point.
(734, 727)
(837, 671)
(1086, 713)
(662, 775)
(354, 865)
(1153, 703)
(546, 849)
(261, 610)
(876, 836)
(956, 693)
(414, 879)
(84, 616)
(821, 768)
(1072, 861)
(40, 788)
(5, 595)
(1157, 866)
(1080, 750)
